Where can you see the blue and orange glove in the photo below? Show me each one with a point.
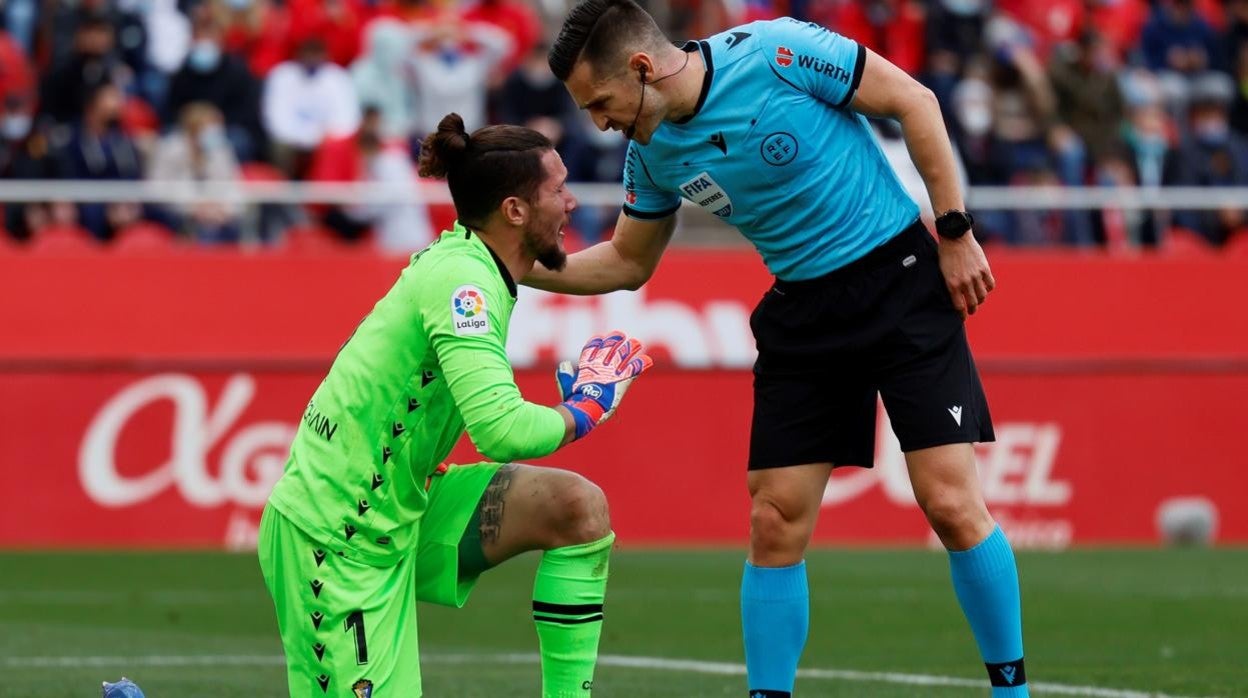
(593, 389)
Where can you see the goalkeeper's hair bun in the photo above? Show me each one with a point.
(445, 149)
(484, 168)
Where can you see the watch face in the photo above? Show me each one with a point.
(954, 224)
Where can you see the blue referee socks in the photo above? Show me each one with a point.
(985, 579)
(775, 615)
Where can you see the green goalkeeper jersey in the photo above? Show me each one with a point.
(427, 362)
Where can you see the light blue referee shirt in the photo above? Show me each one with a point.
(773, 149)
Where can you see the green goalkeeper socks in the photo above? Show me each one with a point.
(567, 610)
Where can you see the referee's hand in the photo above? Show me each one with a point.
(966, 272)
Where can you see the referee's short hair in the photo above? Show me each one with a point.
(603, 32)
(485, 167)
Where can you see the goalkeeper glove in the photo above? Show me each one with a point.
(593, 389)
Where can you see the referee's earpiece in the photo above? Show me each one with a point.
(631, 130)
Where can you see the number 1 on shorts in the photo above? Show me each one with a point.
(355, 621)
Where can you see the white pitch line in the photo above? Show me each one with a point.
(692, 666)
(148, 660)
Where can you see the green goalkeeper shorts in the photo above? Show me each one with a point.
(349, 629)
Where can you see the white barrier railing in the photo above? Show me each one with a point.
(983, 198)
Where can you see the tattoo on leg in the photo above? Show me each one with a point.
(491, 506)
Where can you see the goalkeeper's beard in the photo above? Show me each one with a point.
(549, 253)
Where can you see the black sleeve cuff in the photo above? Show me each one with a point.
(856, 80)
(649, 215)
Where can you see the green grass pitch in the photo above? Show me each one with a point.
(183, 625)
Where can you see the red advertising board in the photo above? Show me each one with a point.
(268, 307)
(150, 401)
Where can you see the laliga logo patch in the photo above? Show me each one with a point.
(363, 688)
(704, 191)
(784, 57)
(468, 311)
(469, 301)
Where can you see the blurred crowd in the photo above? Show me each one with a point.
(1096, 93)
(1071, 92)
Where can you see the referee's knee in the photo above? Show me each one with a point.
(778, 534)
(960, 521)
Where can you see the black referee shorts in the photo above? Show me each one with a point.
(883, 325)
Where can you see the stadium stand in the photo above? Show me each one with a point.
(1075, 93)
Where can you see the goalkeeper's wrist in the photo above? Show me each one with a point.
(586, 413)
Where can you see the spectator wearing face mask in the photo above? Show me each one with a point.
(166, 55)
(32, 157)
(198, 151)
(305, 101)
(1210, 154)
(982, 154)
(954, 36)
(23, 149)
(1147, 131)
(1040, 148)
(211, 75)
(15, 123)
(452, 64)
(17, 77)
(98, 149)
(17, 101)
(93, 61)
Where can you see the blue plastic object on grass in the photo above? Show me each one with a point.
(125, 688)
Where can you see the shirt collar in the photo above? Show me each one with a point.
(461, 229)
(705, 48)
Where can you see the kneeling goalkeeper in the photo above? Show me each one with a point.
(365, 520)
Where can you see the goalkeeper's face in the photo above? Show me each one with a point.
(549, 209)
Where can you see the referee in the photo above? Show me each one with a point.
(764, 126)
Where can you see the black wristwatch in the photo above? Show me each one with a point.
(953, 224)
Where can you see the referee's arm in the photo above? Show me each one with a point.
(624, 262)
(887, 91)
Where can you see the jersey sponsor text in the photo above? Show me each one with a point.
(820, 65)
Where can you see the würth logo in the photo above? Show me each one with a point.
(784, 57)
